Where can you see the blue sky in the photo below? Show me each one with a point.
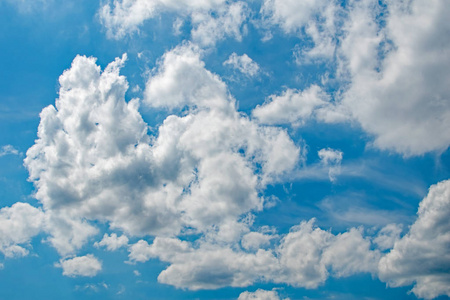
(212, 149)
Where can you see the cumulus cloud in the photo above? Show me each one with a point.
(297, 107)
(421, 257)
(212, 20)
(18, 225)
(392, 66)
(305, 257)
(260, 294)
(243, 63)
(94, 159)
(87, 266)
(112, 242)
(399, 74)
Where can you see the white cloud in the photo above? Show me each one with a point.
(260, 294)
(243, 63)
(305, 257)
(112, 242)
(212, 20)
(387, 236)
(421, 257)
(399, 75)
(392, 66)
(296, 107)
(316, 19)
(94, 159)
(228, 21)
(18, 225)
(8, 149)
(332, 159)
(256, 240)
(87, 266)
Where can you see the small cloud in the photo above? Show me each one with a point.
(332, 159)
(8, 149)
(243, 63)
(137, 273)
(87, 265)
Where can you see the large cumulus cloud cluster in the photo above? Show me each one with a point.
(203, 172)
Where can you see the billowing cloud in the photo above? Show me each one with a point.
(18, 225)
(87, 266)
(243, 63)
(94, 159)
(421, 257)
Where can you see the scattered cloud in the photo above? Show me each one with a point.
(297, 107)
(87, 266)
(8, 149)
(211, 20)
(332, 159)
(243, 63)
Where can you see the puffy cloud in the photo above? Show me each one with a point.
(331, 158)
(87, 266)
(305, 257)
(260, 294)
(8, 149)
(243, 63)
(211, 20)
(296, 107)
(18, 225)
(94, 159)
(392, 66)
(399, 74)
(422, 255)
(112, 242)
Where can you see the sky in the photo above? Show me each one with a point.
(214, 149)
